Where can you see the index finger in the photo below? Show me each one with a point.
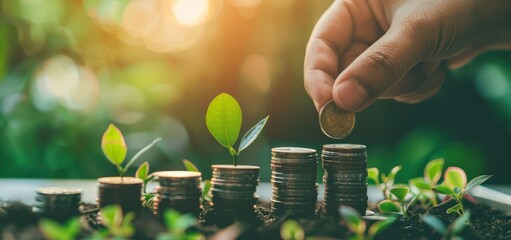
(330, 37)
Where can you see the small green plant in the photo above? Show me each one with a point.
(143, 174)
(358, 226)
(117, 225)
(115, 149)
(55, 231)
(400, 205)
(387, 181)
(455, 185)
(448, 232)
(206, 189)
(425, 185)
(223, 120)
(291, 230)
(177, 225)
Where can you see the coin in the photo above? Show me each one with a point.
(334, 122)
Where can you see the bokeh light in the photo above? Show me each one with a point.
(190, 12)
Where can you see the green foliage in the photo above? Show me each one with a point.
(55, 231)
(114, 148)
(190, 166)
(177, 225)
(387, 181)
(358, 226)
(433, 171)
(455, 177)
(142, 171)
(448, 232)
(399, 206)
(400, 193)
(117, 225)
(223, 120)
(291, 230)
(143, 174)
(206, 191)
(388, 206)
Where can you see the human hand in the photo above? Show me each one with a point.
(363, 50)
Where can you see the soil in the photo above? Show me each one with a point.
(17, 221)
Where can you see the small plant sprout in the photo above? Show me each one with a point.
(177, 225)
(387, 181)
(206, 189)
(143, 174)
(432, 174)
(399, 206)
(223, 120)
(358, 226)
(116, 225)
(291, 230)
(55, 231)
(455, 185)
(115, 149)
(448, 232)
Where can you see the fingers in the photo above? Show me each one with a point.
(412, 81)
(429, 88)
(377, 69)
(331, 35)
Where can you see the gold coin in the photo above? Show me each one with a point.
(334, 122)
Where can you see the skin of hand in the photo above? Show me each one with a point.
(363, 50)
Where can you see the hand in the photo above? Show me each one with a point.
(363, 50)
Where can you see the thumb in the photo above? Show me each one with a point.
(377, 69)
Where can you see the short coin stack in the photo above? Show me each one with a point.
(125, 191)
(345, 177)
(293, 178)
(179, 190)
(57, 203)
(233, 189)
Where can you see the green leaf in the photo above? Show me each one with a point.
(291, 230)
(400, 193)
(206, 190)
(454, 209)
(171, 217)
(52, 230)
(142, 171)
(223, 119)
(373, 174)
(353, 219)
(420, 183)
(380, 226)
(190, 166)
(139, 153)
(444, 190)
(455, 177)
(252, 134)
(433, 171)
(435, 223)
(388, 206)
(460, 223)
(477, 181)
(392, 175)
(113, 145)
(184, 222)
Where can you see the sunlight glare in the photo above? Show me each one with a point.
(190, 12)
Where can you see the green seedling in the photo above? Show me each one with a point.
(399, 205)
(115, 149)
(223, 120)
(117, 225)
(206, 189)
(358, 226)
(291, 230)
(448, 232)
(425, 185)
(177, 226)
(143, 174)
(387, 181)
(55, 231)
(455, 185)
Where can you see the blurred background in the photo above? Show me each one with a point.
(69, 68)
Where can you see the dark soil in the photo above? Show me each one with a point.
(17, 221)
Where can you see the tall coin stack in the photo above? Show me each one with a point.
(125, 191)
(293, 179)
(345, 177)
(179, 190)
(233, 189)
(59, 204)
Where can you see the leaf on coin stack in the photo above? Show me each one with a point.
(223, 119)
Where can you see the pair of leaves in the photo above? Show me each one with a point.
(455, 229)
(117, 224)
(358, 226)
(55, 231)
(374, 175)
(223, 120)
(291, 230)
(389, 206)
(446, 189)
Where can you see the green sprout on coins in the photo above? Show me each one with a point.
(399, 205)
(358, 226)
(448, 232)
(177, 226)
(143, 174)
(206, 190)
(455, 185)
(387, 181)
(55, 231)
(425, 185)
(117, 225)
(115, 149)
(291, 230)
(223, 120)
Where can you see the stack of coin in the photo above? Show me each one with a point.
(345, 177)
(125, 191)
(293, 179)
(57, 203)
(179, 190)
(233, 189)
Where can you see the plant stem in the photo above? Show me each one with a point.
(404, 210)
(143, 150)
(235, 160)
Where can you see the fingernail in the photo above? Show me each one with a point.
(351, 95)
